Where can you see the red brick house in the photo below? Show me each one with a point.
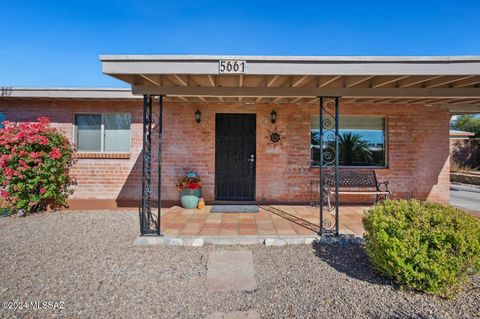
(398, 106)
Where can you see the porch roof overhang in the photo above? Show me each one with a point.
(451, 82)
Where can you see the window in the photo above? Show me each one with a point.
(102, 132)
(3, 117)
(361, 141)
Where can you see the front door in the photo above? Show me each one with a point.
(235, 140)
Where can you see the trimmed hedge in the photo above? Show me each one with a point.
(423, 246)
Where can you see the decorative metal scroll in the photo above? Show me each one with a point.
(151, 164)
(275, 137)
(329, 116)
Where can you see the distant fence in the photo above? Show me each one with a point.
(465, 152)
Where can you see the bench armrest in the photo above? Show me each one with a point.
(383, 186)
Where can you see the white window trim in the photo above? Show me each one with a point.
(385, 130)
(102, 132)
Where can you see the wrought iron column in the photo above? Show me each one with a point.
(146, 210)
(329, 157)
(159, 163)
(150, 223)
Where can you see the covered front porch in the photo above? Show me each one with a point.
(408, 94)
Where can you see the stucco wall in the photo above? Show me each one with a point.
(417, 137)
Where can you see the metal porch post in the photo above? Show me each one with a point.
(149, 223)
(321, 184)
(337, 114)
(159, 167)
(145, 210)
(329, 110)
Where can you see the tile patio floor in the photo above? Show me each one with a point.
(270, 221)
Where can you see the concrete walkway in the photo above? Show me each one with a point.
(466, 197)
(230, 271)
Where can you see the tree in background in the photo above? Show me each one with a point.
(468, 123)
(353, 149)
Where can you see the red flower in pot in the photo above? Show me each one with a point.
(190, 187)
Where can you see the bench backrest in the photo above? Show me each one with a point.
(352, 179)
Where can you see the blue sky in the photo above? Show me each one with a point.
(57, 43)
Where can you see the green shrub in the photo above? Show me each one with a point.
(423, 246)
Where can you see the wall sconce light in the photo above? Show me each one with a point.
(273, 116)
(198, 116)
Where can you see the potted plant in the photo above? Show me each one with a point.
(190, 187)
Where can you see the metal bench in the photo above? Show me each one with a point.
(350, 183)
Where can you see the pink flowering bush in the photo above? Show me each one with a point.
(35, 162)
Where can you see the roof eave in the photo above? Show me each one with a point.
(363, 59)
(67, 93)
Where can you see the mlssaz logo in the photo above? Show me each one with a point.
(6, 91)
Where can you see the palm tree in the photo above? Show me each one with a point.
(353, 149)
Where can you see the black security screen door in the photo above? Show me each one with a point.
(235, 157)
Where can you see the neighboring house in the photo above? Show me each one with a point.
(455, 134)
(249, 126)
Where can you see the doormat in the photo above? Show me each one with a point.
(234, 209)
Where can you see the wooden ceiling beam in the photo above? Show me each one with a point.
(382, 81)
(151, 80)
(309, 92)
(179, 79)
(353, 81)
(240, 84)
(272, 80)
(211, 80)
(414, 80)
(444, 80)
(326, 82)
(297, 82)
(466, 82)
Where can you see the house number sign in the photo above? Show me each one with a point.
(232, 66)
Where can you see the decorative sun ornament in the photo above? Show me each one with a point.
(274, 137)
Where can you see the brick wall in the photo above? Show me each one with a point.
(417, 137)
(100, 181)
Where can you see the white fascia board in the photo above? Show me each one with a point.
(290, 58)
(297, 67)
(160, 67)
(68, 93)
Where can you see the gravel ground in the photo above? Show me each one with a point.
(87, 261)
